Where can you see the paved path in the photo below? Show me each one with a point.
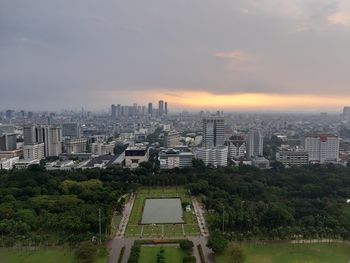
(119, 242)
(208, 253)
(200, 217)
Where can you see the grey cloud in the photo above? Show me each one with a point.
(66, 50)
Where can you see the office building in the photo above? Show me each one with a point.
(170, 159)
(237, 147)
(113, 111)
(172, 139)
(346, 111)
(34, 151)
(8, 142)
(290, 158)
(214, 156)
(134, 155)
(71, 130)
(150, 108)
(322, 148)
(254, 144)
(160, 108)
(166, 108)
(213, 131)
(51, 136)
(75, 145)
(99, 148)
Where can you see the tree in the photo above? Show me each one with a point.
(85, 253)
(217, 242)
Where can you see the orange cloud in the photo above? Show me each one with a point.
(252, 101)
(340, 18)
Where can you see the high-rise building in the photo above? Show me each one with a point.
(166, 108)
(322, 148)
(150, 108)
(213, 131)
(30, 134)
(113, 111)
(255, 144)
(51, 136)
(160, 107)
(8, 142)
(9, 114)
(71, 129)
(346, 111)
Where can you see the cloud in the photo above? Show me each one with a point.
(340, 18)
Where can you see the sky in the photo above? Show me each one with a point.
(260, 55)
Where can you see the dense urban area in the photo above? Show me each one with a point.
(146, 184)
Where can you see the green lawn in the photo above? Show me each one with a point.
(42, 255)
(172, 254)
(293, 253)
(134, 229)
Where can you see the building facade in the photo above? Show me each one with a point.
(172, 139)
(134, 155)
(76, 145)
(322, 148)
(215, 156)
(34, 151)
(254, 144)
(291, 158)
(213, 131)
(170, 159)
(8, 142)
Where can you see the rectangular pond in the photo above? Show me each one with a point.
(162, 211)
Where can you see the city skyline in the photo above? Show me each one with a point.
(243, 55)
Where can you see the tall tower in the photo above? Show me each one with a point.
(160, 107)
(113, 111)
(150, 108)
(213, 131)
(166, 108)
(255, 144)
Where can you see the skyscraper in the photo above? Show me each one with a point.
(346, 111)
(255, 143)
(113, 111)
(8, 142)
(160, 107)
(150, 108)
(213, 131)
(166, 108)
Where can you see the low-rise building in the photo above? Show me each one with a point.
(8, 164)
(134, 155)
(102, 148)
(170, 159)
(291, 158)
(24, 164)
(215, 156)
(77, 145)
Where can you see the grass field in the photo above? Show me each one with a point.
(42, 255)
(134, 229)
(172, 254)
(293, 253)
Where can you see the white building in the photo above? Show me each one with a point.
(23, 164)
(103, 148)
(170, 159)
(33, 152)
(236, 147)
(215, 156)
(8, 164)
(322, 148)
(77, 145)
(255, 144)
